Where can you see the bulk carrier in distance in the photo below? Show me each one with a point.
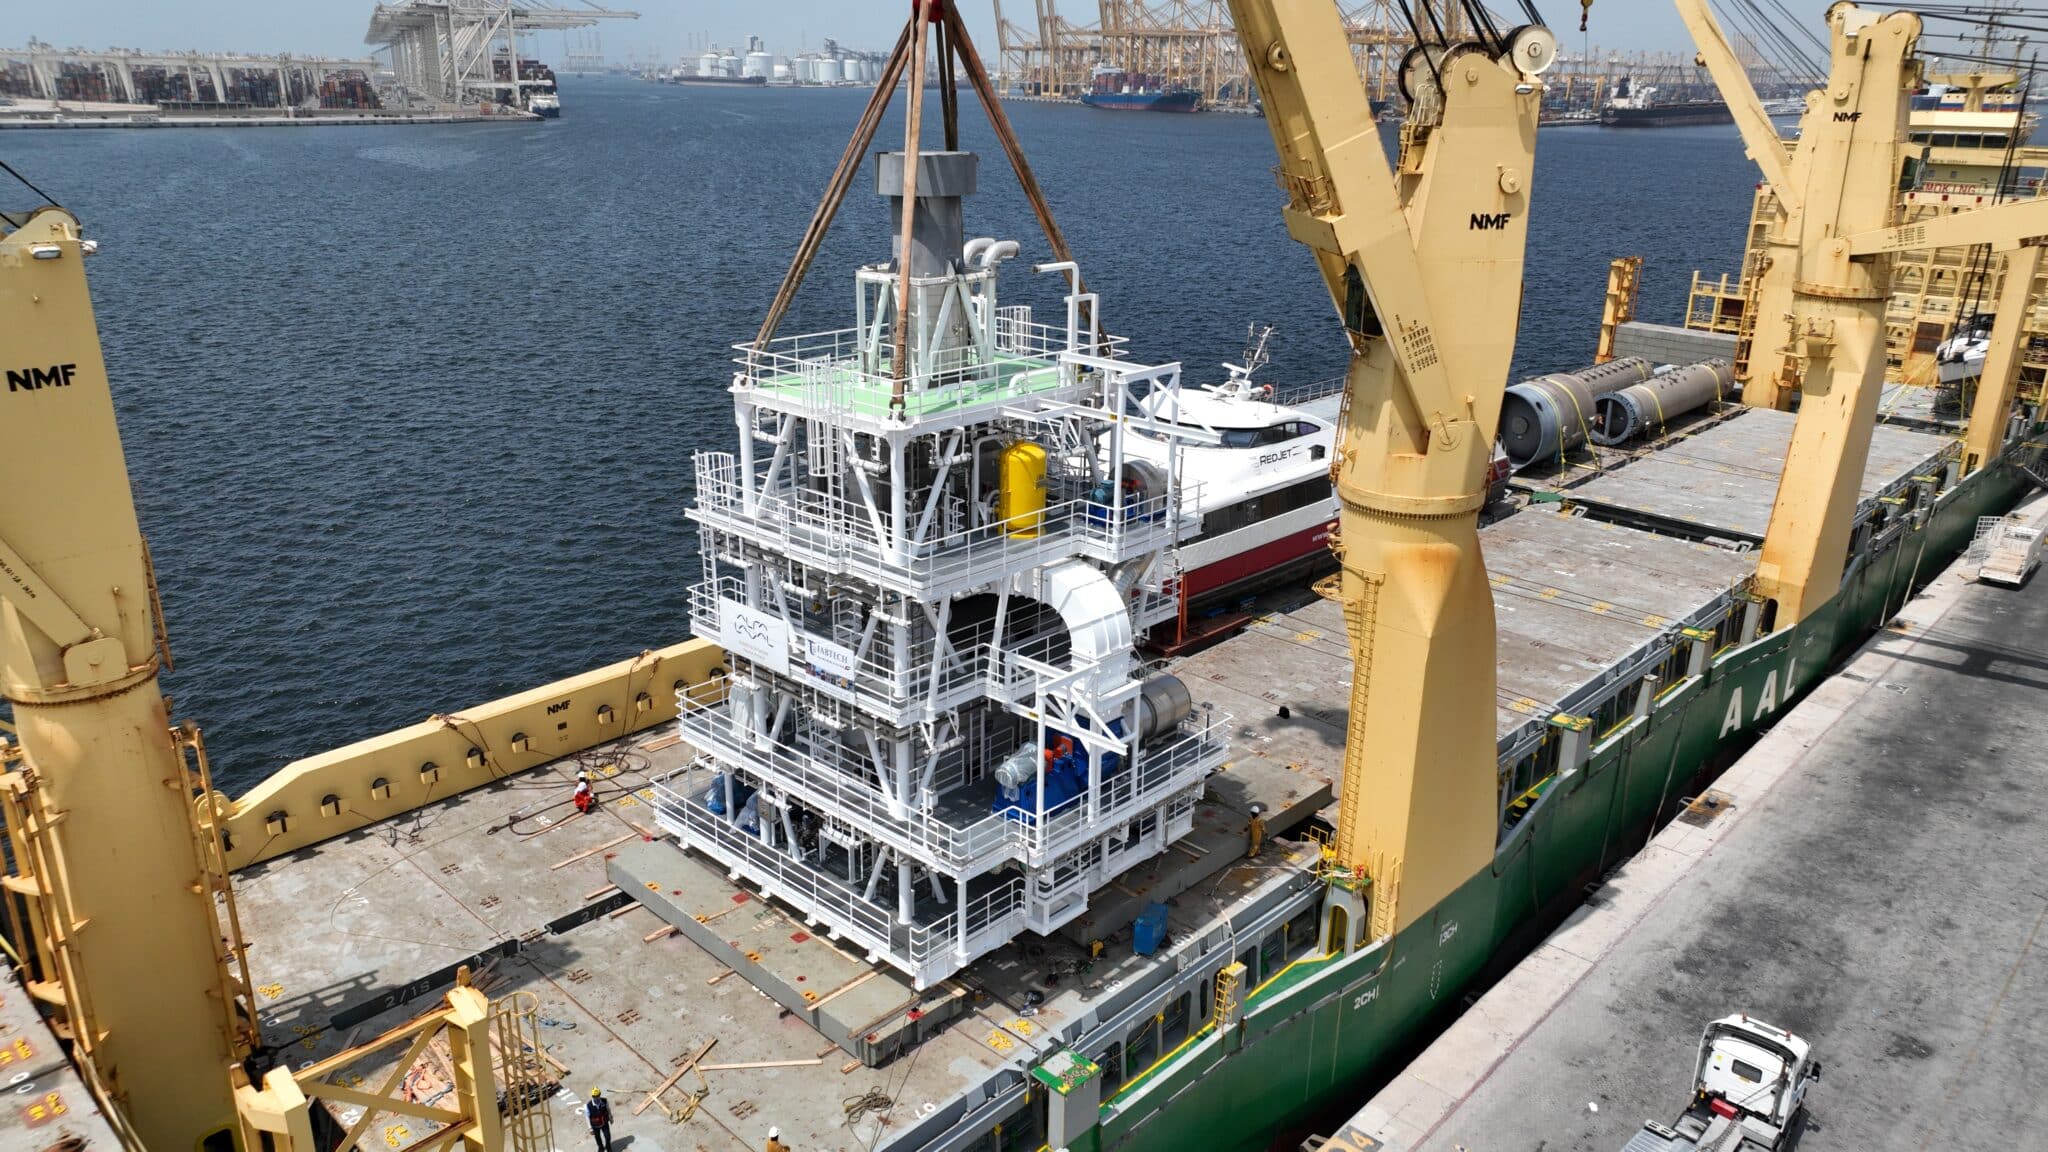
(923, 851)
(1639, 106)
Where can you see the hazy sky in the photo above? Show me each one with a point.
(336, 26)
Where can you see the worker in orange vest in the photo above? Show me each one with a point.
(585, 798)
(775, 1143)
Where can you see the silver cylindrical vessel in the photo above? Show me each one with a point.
(1163, 702)
(1627, 413)
(1548, 416)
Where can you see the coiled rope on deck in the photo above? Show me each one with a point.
(873, 1100)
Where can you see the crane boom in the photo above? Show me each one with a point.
(1842, 181)
(1759, 136)
(1423, 261)
(128, 950)
(1770, 375)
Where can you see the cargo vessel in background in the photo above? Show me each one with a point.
(912, 847)
(1120, 91)
(1636, 105)
(715, 80)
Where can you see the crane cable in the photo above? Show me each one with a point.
(9, 169)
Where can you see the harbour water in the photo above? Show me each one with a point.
(410, 411)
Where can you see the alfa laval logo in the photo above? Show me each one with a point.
(1489, 221)
(31, 379)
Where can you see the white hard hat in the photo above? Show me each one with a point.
(775, 1133)
(1256, 809)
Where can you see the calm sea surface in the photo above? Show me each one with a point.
(410, 411)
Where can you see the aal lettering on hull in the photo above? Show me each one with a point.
(1765, 703)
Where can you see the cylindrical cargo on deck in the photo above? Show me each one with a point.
(1550, 415)
(1644, 408)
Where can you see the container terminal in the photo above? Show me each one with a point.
(917, 844)
(442, 63)
(1189, 50)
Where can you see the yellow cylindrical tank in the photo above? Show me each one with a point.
(1020, 495)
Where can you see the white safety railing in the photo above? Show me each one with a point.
(843, 372)
(925, 676)
(829, 531)
(926, 950)
(844, 791)
(929, 677)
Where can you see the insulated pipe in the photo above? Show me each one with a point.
(1629, 412)
(1544, 418)
(997, 252)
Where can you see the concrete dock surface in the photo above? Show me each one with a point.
(1872, 875)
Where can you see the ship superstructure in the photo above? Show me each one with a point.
(936, 733)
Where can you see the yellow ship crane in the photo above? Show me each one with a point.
(1827, 279)
(131, 943)
(134, 949)
(1423, 261)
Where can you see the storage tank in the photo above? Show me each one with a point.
(861, 70)
(758, 64)
(830, 71)
(729, 64)
(707, 64)
(1544, 418)
(1020, 494)
(781, 70)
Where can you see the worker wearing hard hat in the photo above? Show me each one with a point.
(584, 797)
(775, 1143)
(598, 1111)
(1255, 833)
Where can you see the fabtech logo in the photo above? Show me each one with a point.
(33, 379)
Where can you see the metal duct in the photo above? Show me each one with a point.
(1630, 412)
(1098, 621)
(1546, 417)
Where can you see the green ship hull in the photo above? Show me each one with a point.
(1311, 1036)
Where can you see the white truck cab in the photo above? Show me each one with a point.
(1749, 1088)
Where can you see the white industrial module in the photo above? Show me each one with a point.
(936, 732)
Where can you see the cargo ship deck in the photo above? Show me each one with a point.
(1868, 878)
(641, 955)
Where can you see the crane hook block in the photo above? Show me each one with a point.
(1585, 9)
